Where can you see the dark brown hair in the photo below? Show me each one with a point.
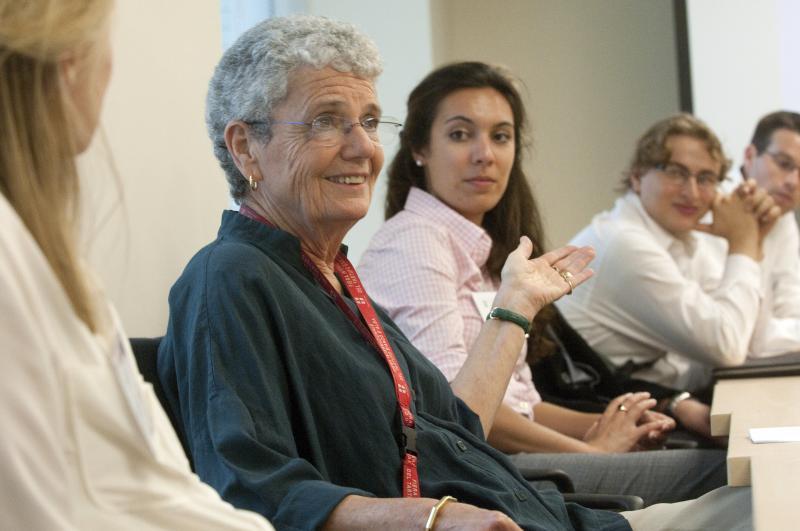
(771, 123)
(516, 213)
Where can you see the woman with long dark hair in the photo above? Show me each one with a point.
(458, 202)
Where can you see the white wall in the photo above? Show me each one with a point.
(744, 62)
(597, 75)
(173, 189)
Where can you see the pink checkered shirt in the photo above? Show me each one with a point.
(422, 266)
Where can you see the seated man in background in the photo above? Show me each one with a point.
(662, 307)
(772, 160)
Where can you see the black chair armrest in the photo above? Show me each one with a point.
(557, 476)
(145, 350)
(562, 481)
(674, 443)
(607, 502)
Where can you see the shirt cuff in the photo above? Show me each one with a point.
(740, 268)
(309, 504)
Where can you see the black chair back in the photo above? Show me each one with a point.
(145, 350)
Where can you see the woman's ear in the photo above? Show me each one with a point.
(241, 145)
(68, 68)
(419, 158)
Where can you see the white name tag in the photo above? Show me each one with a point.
(483, 301)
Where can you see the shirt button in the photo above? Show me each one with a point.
(517, 376)
(525, 406)
(520, 494)
(461, 445)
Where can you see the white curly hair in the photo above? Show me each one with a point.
(251, 78)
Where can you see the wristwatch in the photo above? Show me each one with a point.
(677, 399)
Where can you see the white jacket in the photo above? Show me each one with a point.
(85, 443)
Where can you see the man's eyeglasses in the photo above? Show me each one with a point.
(783, 161)
(330, 129)
(678, 175)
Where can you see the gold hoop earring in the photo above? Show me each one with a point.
(253, 183)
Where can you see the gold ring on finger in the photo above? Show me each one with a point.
(623, 408)
(567, 276)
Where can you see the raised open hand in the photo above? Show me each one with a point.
(527, 285)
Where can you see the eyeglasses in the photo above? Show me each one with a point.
(330, 129)
(678, 175)
(783, 161)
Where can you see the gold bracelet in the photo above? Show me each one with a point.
(435, 511)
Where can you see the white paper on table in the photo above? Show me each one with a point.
(773, 435)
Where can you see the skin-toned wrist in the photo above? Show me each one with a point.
(509, 297)
(360, 512)
(682, 409)
(513, 433)
(594, 448)
(694, 415)
(748, 245)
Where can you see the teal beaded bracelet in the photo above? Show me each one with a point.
(513, 317)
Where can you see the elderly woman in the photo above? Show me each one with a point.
(458, 197)
(85, 443)
(300, 399)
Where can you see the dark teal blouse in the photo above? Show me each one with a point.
(287, 409)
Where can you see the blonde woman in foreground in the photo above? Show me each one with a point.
(85, 444)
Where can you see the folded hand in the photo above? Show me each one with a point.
(627, 423)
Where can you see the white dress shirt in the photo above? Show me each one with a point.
(423, 266)
(778, 327)
(663, 302)
(85, 443)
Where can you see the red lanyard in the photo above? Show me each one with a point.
(372, 331)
